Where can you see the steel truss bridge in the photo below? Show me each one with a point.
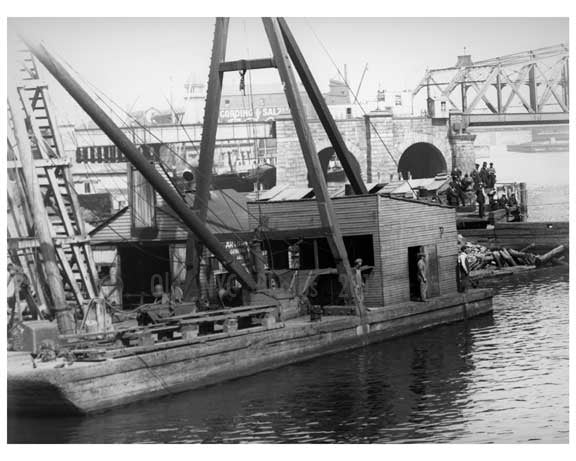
(525, 88)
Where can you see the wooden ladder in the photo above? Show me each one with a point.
(57, 187)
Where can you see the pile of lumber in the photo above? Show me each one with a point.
(480, 257)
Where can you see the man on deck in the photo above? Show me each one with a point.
(481, 202)
(359, 281)
(159, 296)
(422, 281)
(484, 179)
(462, 269)
(491, 176)
(475, 175)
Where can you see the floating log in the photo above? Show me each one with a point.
(509, 259)
(561, 261)
(527, 247)
(541, 260)
(498, 258)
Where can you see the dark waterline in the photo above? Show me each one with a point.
(501, 378)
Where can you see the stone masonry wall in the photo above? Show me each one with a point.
(396, 133)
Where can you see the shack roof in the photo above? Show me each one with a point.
(227, 216)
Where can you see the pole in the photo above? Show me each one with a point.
(321, 109)
(131, 152)
(194, 248)
(42, 227)
(325, 208)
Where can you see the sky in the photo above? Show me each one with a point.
(144, 62)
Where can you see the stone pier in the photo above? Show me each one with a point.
(463, 155)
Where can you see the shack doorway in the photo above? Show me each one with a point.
(432, 276)
(142, 267)
(413, 272)
(421, 160)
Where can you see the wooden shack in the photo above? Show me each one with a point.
(386, 233)
(131, 258)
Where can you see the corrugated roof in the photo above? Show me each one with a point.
(284, 192)
(227, 214)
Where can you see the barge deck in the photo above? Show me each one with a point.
(175, 366)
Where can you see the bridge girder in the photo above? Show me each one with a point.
(530, 82)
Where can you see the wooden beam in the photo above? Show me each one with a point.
(20, 243)
(67, 268)
(322, 110)
(325, 208)
(87, 275)
(132, 153)
(42, 225)
(246, 64)
(194, 248)
(40, 163)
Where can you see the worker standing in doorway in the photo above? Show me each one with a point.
(463, 271)
(422, 281)
(359, 282)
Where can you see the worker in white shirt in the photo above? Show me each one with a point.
(463, 270)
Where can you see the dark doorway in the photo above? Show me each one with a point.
(432, 275)
(422, 160)
(413, 272)
(331, 167)
(142, 267)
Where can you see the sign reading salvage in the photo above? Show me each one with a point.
(259, 114)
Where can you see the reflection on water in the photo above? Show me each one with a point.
(499, 378)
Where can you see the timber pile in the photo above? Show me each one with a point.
(480, 257)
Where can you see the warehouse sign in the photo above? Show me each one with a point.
(256, 114)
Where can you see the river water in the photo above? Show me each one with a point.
(546, 176)
(500, 378)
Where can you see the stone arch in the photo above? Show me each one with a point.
(422, 160)
(337, 174)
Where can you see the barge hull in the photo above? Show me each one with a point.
(91, 387)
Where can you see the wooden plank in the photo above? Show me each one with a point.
(324, 203)
(321, 108)
(42, 227)
(40, 163)
(67, 269)
(246, 64)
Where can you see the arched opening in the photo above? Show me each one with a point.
(331, 167)
(422, 160)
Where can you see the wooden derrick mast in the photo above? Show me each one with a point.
(46, 231)
(286, 54)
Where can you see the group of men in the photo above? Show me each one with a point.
(478, 181)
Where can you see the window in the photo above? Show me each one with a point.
(226, 102)
(86, 187)
(398, 100)
(443, 106)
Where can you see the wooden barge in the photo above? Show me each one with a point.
(542, 236)
(387, 233)
(299, 295)
(146, 372)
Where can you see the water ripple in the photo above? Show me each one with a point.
(496, 379)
